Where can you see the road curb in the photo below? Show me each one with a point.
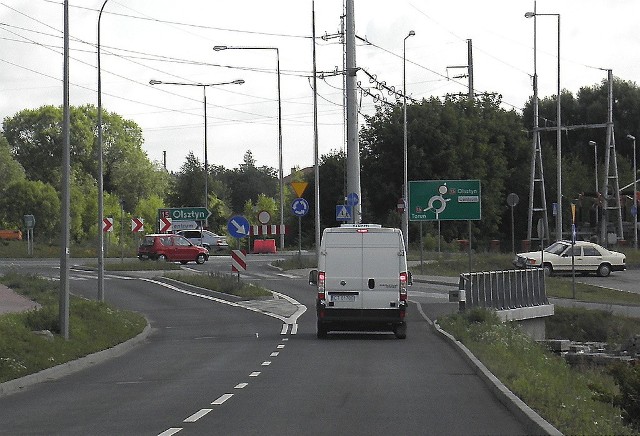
(62, 370)
(533, 422)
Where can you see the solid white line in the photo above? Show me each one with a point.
(254, 374)
(274, 354)
(241, 385)
(171, 431)
(196, 416)
(222, 399)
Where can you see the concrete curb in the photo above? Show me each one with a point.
(62, 370)
(533, 422)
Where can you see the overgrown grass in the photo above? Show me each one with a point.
(570, 400)
(297, 262)
(48, 249)
(93, 326)
(579, 324)
(562, 287)
(225, 283)
(138, 265)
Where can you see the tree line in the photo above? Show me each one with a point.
(448, 138)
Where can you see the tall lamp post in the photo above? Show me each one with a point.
(100, 174)
(280, 175)
(405, 189)
(558, 126)
(595, 167)
(204, 94)
(635, 194)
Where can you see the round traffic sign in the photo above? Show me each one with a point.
(512, 199)
(300, 207)
(264, 217)
(238, 226)
(352, 199)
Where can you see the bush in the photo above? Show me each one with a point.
(585, 325)
(628, 379)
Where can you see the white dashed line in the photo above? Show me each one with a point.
(171, 431)
(266, 363)
(281, 346)
(254, 374)
(274, 354)
(222, 399)
(241, 385)
(196, 416)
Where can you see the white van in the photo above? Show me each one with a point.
(362, 280)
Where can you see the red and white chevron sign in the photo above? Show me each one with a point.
(137, 225)
(107, 224)
(269, 230)
(238, 260)
(165, 225)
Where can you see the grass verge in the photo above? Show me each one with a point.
(296, 262)
(225, 283)
(93, 326)
(574, 401)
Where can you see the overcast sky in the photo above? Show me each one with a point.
(173, 41)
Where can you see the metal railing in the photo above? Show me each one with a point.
(504, 289)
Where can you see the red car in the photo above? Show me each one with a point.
(171, 248)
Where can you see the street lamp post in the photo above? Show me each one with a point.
(280, 173)
(635, 194)
(595, 167)
(558, 127)
(405, 189)
(100, 174)
(204, 100)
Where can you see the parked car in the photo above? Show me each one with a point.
(171, 248)
(588, 258)
(206, 239)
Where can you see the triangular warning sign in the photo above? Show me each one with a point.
(343, 213)
(299, 187)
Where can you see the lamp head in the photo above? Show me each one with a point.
(238, 82)
(411, 33)
(154, 82)
(529, 14)
(219, 47)
(592, 143)
(633, 138)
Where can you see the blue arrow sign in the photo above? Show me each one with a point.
(238, 226)
(352, 199)
(343, 212)
(300, 207)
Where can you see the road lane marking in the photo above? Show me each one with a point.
(274, 354)
(241, 385)
(196, 416)
(266, 363)
(171, 431)
(254, 374)
(222, 399)
(281, 346)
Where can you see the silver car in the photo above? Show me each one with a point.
(206, 239)
(587, 258)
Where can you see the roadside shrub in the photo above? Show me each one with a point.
(628, 380)
(45, 318)
(584, 325)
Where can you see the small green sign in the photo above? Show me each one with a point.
(444, 200)
(185, 213)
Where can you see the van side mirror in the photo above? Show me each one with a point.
(313, 277)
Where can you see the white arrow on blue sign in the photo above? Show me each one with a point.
(300, 207)
(238, 226)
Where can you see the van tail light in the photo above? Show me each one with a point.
(321, 281)
(403, 286)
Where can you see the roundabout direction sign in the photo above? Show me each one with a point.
(444, 200)
(300, 207)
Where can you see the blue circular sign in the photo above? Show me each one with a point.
(238, 226)
(352, 199)
(300, 207)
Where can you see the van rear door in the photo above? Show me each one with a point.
(380, 269)
(343, 281)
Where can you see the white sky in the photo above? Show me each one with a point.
(173, 40)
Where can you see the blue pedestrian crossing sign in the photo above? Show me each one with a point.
(344, 212)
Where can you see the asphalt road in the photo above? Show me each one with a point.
(211, 366)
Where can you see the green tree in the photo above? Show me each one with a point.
(34, 198)
(248, 181)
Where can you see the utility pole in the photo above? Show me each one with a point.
(316, 158)
(353, 150)
(470, 67)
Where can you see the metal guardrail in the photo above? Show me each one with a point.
(502, 290)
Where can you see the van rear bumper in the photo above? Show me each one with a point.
(349, 319)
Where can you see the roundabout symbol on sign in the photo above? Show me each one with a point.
(438, 198)
(300, 207)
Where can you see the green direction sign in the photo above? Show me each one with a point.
(444, 200)
(185, 213)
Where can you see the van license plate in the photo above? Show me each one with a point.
(343, 297)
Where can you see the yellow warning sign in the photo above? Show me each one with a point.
(299, 187)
